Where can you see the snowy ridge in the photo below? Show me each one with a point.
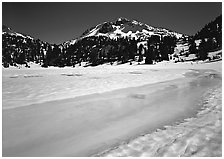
(70, 42)
(7, 30)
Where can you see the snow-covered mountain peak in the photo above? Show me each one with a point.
(125, 28)
(122, 19)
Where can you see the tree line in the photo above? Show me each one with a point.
(94, 50)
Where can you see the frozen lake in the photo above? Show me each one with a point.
(84, 112)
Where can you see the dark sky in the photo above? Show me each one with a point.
(57, 22)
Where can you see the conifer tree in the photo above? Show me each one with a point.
(203, 50)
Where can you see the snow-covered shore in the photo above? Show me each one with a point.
(95, 121)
